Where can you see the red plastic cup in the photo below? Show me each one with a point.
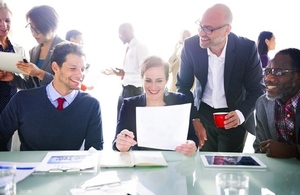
(219, 118)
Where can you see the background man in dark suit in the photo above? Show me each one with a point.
(229, 78)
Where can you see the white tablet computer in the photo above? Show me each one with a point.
(9, 60)
(231, 161)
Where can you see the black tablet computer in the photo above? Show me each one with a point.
(232, 161)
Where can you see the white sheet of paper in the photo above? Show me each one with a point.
(24, 169)
(9, 60)
(163, 127)
(133, 187)
(103, 178)
(65, 161)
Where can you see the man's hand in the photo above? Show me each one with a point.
(119, 72)
(108, 71)
(278, 149)
(231, 120)
(200, 132)
(6, 76)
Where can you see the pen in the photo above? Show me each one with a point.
(24, 168)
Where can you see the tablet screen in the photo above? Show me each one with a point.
(232, 161)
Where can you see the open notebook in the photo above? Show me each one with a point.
(132, 158)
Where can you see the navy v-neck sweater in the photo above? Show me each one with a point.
(42, 127)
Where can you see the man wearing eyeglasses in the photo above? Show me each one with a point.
(228, 79)
(278, 111)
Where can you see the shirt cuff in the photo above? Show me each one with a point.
(241, 116)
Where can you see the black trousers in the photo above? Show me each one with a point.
(128, 91)
(220, 140)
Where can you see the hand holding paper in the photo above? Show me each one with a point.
(8, 62)
(30, 69)
(6, 76)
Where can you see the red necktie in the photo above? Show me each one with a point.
(60, 102)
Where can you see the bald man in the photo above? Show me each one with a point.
(228, 79)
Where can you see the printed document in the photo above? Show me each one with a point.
(163, 127)
(69, 161)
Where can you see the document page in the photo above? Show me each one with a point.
(116, 159)
(9, 60)
(132, 158)
(149, 158)
(23, 169)
(69, 161)
(163, 127)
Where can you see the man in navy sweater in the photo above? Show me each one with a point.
(42, 123)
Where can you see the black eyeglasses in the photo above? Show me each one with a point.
(32, 29)
(208, 30)
(277, 71)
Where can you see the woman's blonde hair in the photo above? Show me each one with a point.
(3, 5)
(154, 61)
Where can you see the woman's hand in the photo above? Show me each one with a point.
(125, 140)
(31, 69)
(188, 149)
(6, 76)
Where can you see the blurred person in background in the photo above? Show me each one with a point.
(76, 36)
(43, 22)
(135, 53)
(265, 43)
(174, 60)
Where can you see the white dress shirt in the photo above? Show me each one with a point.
(214, 93)
(53, 95)
(136, 53)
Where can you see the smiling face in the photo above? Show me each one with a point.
(70, 76)
(5, 20)
(217, 18)
(285, 86)
(154, 83)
